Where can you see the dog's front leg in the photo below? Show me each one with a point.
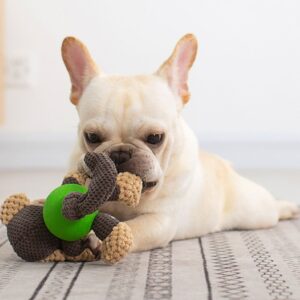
(151, 231)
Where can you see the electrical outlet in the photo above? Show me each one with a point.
(20, 71)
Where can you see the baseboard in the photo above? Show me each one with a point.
(40, 151)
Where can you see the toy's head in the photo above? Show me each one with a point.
(26, 229)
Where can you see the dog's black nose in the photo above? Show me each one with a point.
(119, 157)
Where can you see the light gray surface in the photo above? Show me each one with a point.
(255, 265)
(284, 184)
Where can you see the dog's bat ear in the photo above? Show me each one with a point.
(79, 64)
(175, 68)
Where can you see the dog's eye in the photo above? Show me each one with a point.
(92, 138)
(155, 139)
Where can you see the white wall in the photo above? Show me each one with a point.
(245, 83)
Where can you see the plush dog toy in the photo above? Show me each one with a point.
(59, 229)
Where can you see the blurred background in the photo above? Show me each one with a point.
(245, 83)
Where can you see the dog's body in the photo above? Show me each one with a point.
(137, 119)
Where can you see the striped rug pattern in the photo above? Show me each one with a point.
(261, 264)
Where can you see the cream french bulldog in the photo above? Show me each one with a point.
(137, 121)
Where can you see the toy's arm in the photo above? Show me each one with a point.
(105, 185)
(128, 186)
(101, 188)
(128, 189)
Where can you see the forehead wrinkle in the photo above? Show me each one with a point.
(131, 97)
(132, 108)
(124, 101)
(129, 101)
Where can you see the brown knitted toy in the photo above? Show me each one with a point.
(36, 234)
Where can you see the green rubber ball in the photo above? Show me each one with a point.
(57, 224)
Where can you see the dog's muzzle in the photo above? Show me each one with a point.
(136, 161)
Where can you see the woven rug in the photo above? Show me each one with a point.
(262, 264)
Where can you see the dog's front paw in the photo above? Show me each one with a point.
(94, 244)
(130, 188)
(117, 245)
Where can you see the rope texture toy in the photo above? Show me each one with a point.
(58, 231)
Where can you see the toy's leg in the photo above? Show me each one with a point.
(80, 250)
(103, 225)
(72, 251)
(85, 255)
(73, 248)
(116, 237)
(29, 236)
(57, 255)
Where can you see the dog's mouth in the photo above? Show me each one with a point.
(147, 186)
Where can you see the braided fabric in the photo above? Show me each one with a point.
(73, 248)
(117, 244)
(85, 255)
(130, 188)
(59, 256)
(101, 188)
(79, 177)
(103, 225)
(31, 239)
(56, 256)
(11, 206)
(29, 235)
(70, 208)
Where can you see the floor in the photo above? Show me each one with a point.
(262, 264)
(284, 184)
(250, 265)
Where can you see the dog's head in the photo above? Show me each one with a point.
(134, 119)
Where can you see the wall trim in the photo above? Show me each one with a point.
(52, 151)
